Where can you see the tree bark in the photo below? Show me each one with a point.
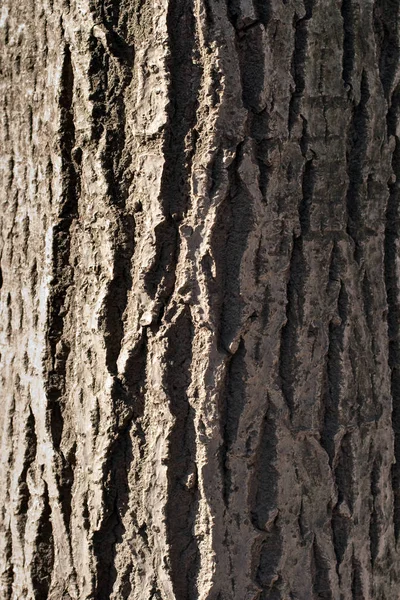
(200, 300)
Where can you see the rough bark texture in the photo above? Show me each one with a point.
(200, 300)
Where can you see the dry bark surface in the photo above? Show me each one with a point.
(200, 334)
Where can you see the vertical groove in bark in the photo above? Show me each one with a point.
(236, 213)
(43, 557)
(115, 506)
(356, 584)
(349, 51)
(299, 58)
(266, 486)
(7, 575)
(294, 320)
(29, 458)
(119, 287)
(387, 34)
(110, 74)
(335, 375)
(321, 584)
(375, 527)
(264, 504)
(62, 279)
(357, 151)
(235, 398)
(308, 185)
(386, 29)
(393, 318)
(182, 500)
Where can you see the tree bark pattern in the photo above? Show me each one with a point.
(200, 300)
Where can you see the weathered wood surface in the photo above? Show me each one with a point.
(200, 335)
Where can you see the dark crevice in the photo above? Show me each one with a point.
(62, 278)
(155, 593)
(182, 477)
(342, 523)
(43, 557)
(110, 73)
(342, 520)
(113, 16)
(11, 173)
(263, 10)
(345, 472)
(373, 409)
(341, 530)
(97, 74)
(49, 178)
(368, 307)
(179, 145)
(56, 413)
(288, 362)
(34, 277)
(375, 527)
(85, 513)
(29, 457)
(26, 233)
(301, 521)
(232, 406)
(117, 294)
(115, 498)
(30, 123)
(349, 50)
(9, 327)
(251, 52)
(134, 377)
(128, 404)
(110, 114)
(262, 153)
(62, 272)
(229, 242)
(267, 569)
(320, 574)
(392, 118)
(356, 583)
(357, 145)
(7, 576)
(305, 138)
(392, 235)
(335, 372)
(264, 487)
(386, 30)
(183, 494)
(242, 21)
(308, 185)
(66, 483)
(298, 66)
(160, 278)
(67, 140)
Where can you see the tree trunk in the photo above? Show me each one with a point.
(200, 302)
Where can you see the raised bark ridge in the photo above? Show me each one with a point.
(200, 303)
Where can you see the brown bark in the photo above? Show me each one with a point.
(200, 303)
